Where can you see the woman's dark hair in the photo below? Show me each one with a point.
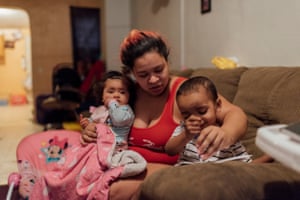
(193, 84)
(137, 43)
(98, 87)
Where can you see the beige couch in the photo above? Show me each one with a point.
(268, 95)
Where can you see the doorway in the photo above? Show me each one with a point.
(15, 57)
(86, 35)
(16, 82)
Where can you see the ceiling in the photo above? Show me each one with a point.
(13, 18)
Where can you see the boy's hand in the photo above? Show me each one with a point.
(193, 126)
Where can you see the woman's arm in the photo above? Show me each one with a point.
(234, 122)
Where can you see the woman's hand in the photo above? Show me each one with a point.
(210, 140)
(83, 121)
(89, 134)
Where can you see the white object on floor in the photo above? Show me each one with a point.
(279, 145)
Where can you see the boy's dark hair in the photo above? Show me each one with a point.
(193, 84)
(98, 87)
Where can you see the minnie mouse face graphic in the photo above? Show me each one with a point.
(55, 150)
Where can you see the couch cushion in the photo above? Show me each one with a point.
(225, 181)
(268, 95)
(226, 80)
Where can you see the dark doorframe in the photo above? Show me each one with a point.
(86, 34)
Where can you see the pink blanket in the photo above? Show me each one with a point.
(76, 171)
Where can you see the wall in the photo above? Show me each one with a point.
(258, 33)
(51, 35)
(117, 26)
(162, 16)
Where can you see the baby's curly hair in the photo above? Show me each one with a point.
(98, 87)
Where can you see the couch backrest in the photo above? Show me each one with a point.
(268, 95)
(226, 81)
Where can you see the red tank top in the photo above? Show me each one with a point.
(150, 142)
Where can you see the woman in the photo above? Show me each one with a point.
(145, 55)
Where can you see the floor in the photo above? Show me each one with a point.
(16, 122)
